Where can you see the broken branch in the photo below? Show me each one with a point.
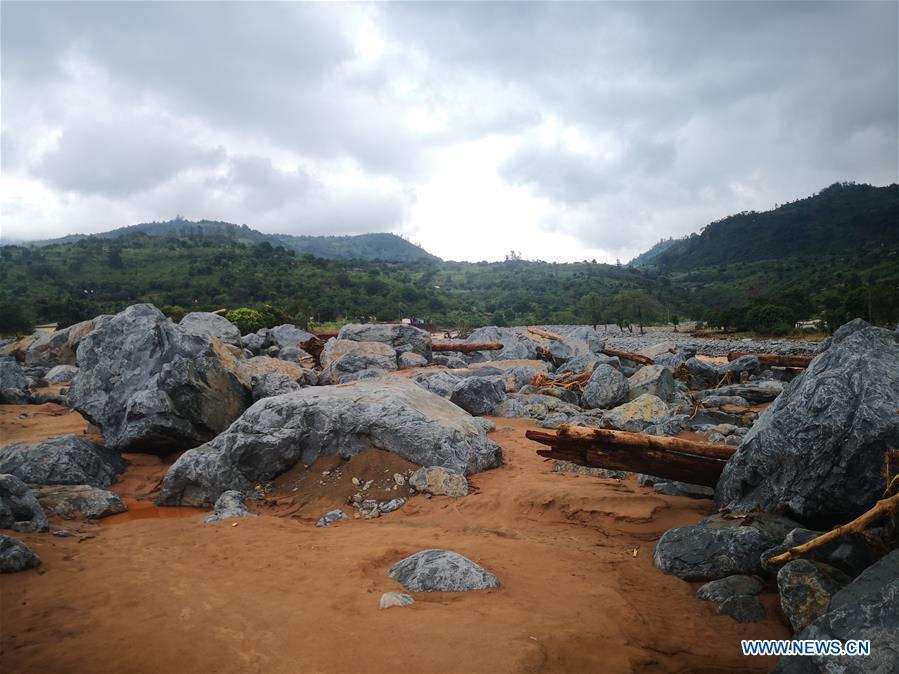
(636, 357)
(546, 335)
(883, 507)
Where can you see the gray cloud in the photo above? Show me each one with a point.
(313, 118)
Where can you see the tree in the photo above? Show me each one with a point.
(592, 306)
(114, 257)
(15, 318)
(675, 321)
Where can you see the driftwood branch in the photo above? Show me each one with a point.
(883, 507)
(636, 357)
(465, 347)
(546, 335)
(773, 359)
(569, 380)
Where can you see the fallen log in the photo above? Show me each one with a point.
(774, 359)
(585, 448)
(464, 347)
(883, 507)
(546, 335)
(661, 442)
(636, 357)
(682, 467)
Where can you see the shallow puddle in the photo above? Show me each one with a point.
(147, 510)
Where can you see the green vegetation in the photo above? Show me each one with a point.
(759, 272)
(69, 282)
(363, 246)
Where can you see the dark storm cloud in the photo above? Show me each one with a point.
(631, 121)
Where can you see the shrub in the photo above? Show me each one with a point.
(246, 320)
(173, 311)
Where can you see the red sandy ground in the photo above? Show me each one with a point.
(156, 590)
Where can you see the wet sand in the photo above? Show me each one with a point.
(150, 593)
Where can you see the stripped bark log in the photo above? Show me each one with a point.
(586, 448)
(661, 442)
(774, 359)
(635, 357)
(464, 347)
(546, 335)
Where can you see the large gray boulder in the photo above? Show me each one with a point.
(516, 346)
(478, 395)
(583, 340)
(866, 609)
(151, 386)
(401, 337)
(72, 500)
(441, 571)
(718, 547)
(636, 415)
(754, 392)
(342, 357)
(652, 379)
(816, 454)
(205, 324)
(275, 433)
(61, 374)
(12, 378)
(15, 555)
(59, 347)
(442, 383)
(68, 459)
(606, 388)
(19, 509)
(533, 406)
(288, 336)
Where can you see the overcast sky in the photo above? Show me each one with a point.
(566, 131)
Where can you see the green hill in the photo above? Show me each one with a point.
(843, 219)
(388, 247)
(834, 255)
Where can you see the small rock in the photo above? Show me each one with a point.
(743, 608)
(675, 488)
(439, 481)
(399, 479)
(391, 599)
(724, 588)
(441, 571)
(331, 517)
(69, 500)
(63, 533)
(229, 505)
(806, 589)
(391, 505)
(19, 509)
(15, 555)
(569, 467)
